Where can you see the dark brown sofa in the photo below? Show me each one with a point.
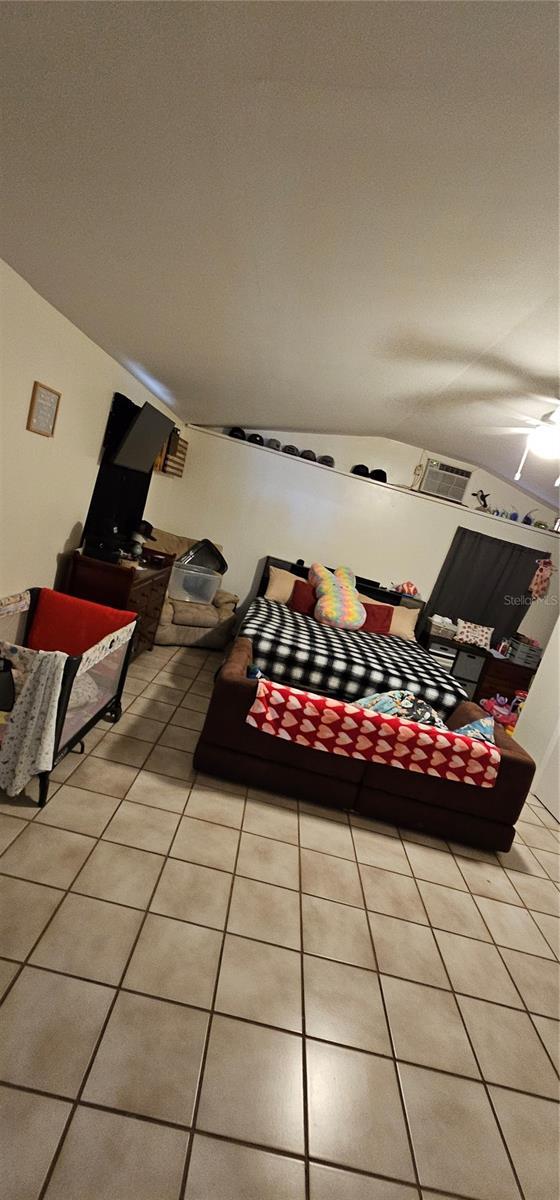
(231, 749)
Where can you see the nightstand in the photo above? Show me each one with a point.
(503, 677)
(122, 585)
(482, 673)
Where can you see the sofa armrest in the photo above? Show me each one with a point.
(167, 614)
(467, 711)
(225, 604)
(234, 670)
(226, 600)
(231, 698)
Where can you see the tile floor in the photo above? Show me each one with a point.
(210, 995)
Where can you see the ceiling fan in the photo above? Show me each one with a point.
(543, 438)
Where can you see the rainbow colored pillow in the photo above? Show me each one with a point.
(338, 604)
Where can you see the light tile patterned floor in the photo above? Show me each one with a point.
(210, 995)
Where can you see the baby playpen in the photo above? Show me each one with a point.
(67, 659)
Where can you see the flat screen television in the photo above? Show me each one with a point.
(120, 493)
(143, 440)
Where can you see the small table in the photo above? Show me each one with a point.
(141, 589)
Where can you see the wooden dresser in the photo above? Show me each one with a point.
(481, 673)
(122, 585)
(502, 677)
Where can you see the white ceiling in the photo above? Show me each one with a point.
(337, 217)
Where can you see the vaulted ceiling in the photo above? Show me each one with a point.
(338, 217)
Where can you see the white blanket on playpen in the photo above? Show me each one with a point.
(28, 740)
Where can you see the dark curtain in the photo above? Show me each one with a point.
(484, 580)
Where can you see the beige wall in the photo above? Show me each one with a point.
(255, 502)
(538, 728)
(399, 460)
(46, 483)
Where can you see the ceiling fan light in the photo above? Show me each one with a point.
(517, 475)
(545, 441)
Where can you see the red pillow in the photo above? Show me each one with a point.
(378, 618)
(66, 623)
(303, 598)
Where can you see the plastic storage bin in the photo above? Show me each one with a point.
(197, 584)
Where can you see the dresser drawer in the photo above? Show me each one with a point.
(468, 665)
(140, 600)
(147, 590)
(504, 679)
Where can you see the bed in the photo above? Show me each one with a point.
(230, 748)
(297, 650)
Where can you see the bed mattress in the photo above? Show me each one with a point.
(297, 650)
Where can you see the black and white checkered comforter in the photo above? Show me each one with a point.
(297, 650)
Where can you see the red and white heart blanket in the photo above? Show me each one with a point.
(340, 728)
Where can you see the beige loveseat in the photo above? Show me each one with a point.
(183, 623)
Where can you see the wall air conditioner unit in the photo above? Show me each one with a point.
(440, 479)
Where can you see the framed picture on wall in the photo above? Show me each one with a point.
(43, 410)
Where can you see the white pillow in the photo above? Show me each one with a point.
(473, 635)
(280, 585)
